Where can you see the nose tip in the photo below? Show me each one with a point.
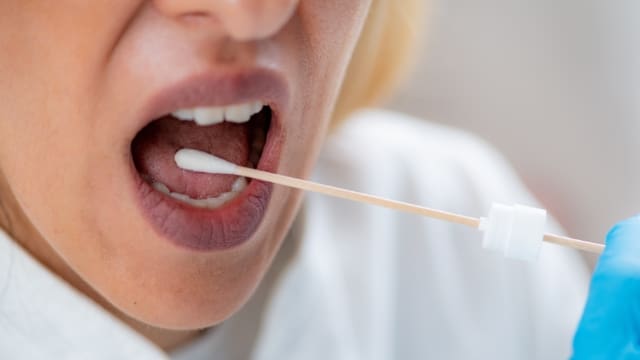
(241, 20)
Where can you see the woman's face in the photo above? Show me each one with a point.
(88, 89)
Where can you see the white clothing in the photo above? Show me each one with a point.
(364, 283)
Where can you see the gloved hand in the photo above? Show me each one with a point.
(610, 324)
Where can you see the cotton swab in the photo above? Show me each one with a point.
(510, 222)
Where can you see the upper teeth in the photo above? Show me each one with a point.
(204, 116)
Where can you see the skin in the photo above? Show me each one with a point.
(72, 88)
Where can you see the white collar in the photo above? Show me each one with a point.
(43, 317)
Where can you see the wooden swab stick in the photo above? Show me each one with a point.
(195, 160)
(356, 196)
(587, 246)
(398, 205)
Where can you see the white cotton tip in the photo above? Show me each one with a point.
(200, 161)
(516, 231)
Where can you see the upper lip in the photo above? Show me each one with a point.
(230, 87)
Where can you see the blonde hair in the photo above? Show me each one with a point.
(382, 56)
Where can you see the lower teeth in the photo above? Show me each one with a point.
(207, 203)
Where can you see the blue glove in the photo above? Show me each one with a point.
(610, 324)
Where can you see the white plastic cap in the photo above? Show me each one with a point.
(516, 231)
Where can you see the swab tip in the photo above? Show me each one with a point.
(200, 161)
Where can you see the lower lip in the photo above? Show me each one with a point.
(206, 229)
(201, 229)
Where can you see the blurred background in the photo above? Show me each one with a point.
(554, 85)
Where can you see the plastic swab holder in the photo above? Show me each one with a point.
(516, 231)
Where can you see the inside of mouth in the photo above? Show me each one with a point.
(154, 147)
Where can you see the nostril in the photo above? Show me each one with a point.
(200, 17)
(189, 11)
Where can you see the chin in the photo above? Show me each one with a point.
(191, 295)
(176, 287)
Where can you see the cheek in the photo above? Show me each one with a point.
(47, 110)
(43, 155)
(331, 30)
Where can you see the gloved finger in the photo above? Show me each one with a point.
(610, 324)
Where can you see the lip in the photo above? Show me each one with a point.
(234, 223)
(235, 86)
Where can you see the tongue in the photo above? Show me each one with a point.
(155, 146)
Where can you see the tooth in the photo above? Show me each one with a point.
(161, 187)
(257, 107)
(238, 113)
(203, 203)
(184, 114)
(214, 203)
(239, 184)
(205, 116)
(208, 115)
(210, 203)
(226, 197)
(181, 197)
(193, 202)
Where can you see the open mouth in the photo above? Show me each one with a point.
(237, 134)
(206, 211)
